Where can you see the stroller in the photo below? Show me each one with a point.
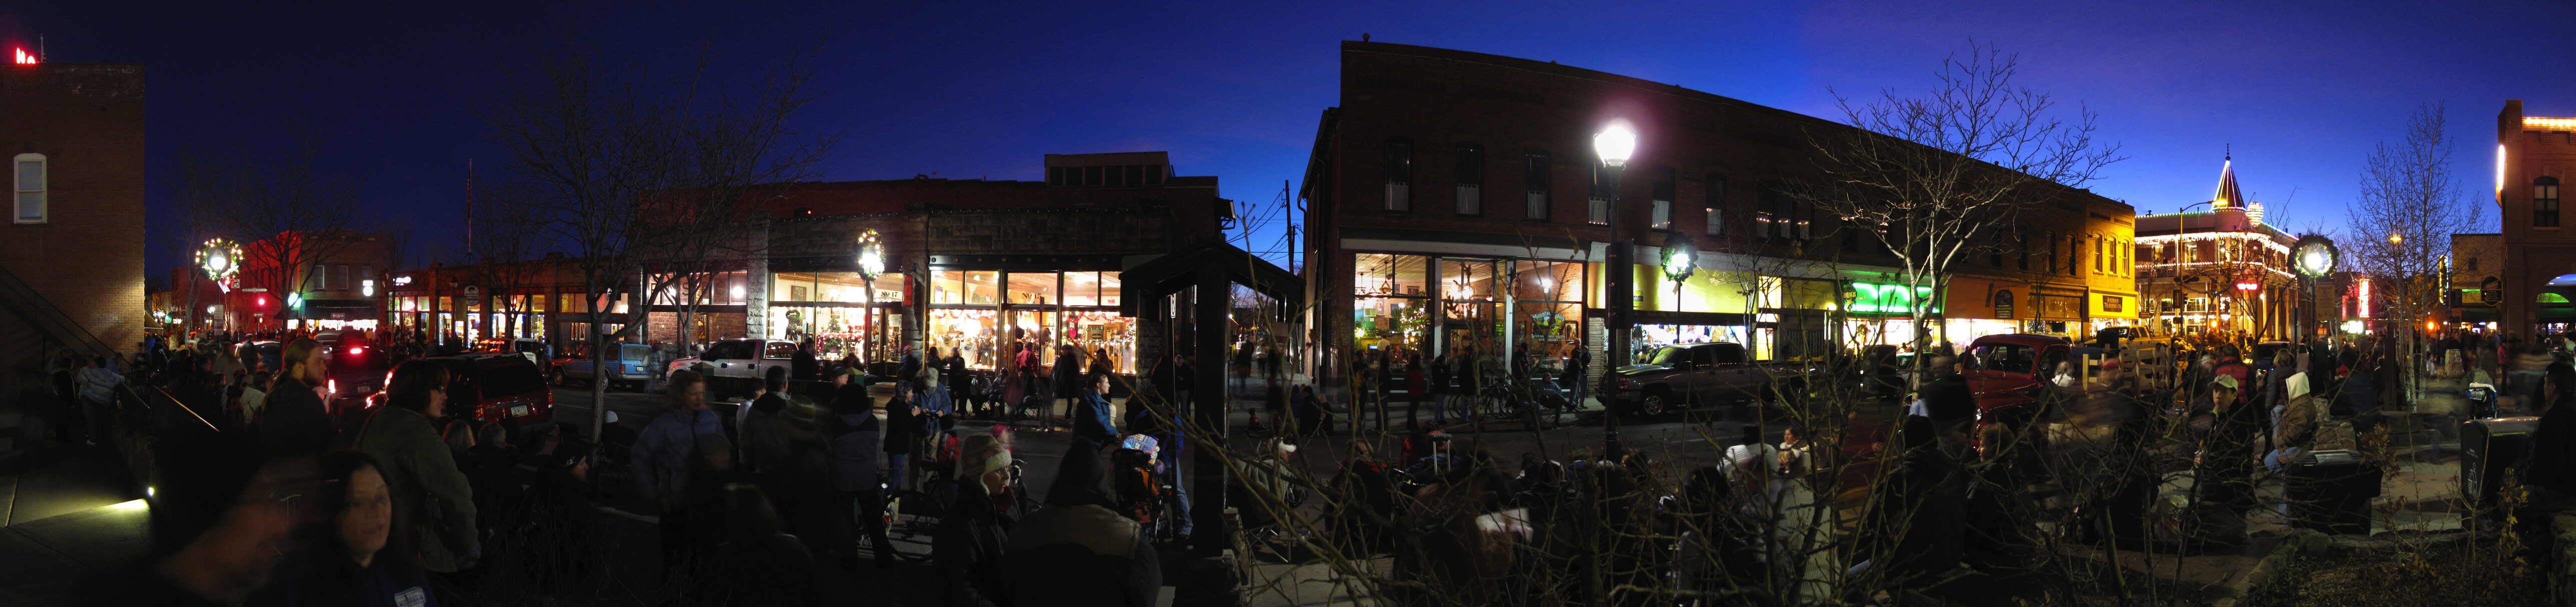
(1144, 491)
(2482, 401)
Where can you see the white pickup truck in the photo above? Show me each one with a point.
(734, 366)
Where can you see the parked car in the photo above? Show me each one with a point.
(629, 364)
(497, 387)
(735, 365)
(266, 352)
(2011, 372)
(1683, 375)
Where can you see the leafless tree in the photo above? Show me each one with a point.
(614, 158)
(287, 214)
(1930, 178)
(2401, 226)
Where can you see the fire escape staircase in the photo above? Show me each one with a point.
(20, 299)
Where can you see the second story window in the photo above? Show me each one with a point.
(1535, 168)
(2544, 202)
(1662, 217)
(1778, 214)
(29, 175)
(1716, 210)
(1471, 179)
(1399, 174)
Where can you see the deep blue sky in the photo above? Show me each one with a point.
(984, 89)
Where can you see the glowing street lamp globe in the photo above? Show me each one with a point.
(1616, 143)
(1681, 257)
(2314, 256)
(871, 255)
(220, 258)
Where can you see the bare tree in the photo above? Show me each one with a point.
(2402, 223)
(1932, 177)
(614, 160)
(288, 214)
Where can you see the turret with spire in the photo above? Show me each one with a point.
(2229, 196)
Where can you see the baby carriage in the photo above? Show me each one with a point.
(1144, 488)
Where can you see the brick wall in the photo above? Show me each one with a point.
(88, 121)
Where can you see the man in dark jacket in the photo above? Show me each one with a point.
(1079, 550)
(1921, 518)
(2553, 443)
(294, 422)
(969, 552)
(764, 439)
(856, 437)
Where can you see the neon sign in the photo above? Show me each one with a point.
(1887, 299)
(23, 58)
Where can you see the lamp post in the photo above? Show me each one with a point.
(871, 263)
(1614, 145)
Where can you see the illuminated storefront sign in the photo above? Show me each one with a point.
(1887, 299)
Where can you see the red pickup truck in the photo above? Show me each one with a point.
(2010, 372)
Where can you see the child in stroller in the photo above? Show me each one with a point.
(1142, 482)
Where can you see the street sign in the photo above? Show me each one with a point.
(473, 296)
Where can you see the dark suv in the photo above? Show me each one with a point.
(1681, 375)
(497, 387)
(357, 371)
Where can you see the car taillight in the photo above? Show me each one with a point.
(357, 350)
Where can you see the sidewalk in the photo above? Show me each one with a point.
(65, 518)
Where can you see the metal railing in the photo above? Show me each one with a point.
(23, 300)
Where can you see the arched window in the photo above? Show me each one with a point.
(29, 176)
(2544, 202)
(2003, 305)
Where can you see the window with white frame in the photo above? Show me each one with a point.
(29, 177)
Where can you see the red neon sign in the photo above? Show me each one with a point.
(2249, 286)
(22, 58)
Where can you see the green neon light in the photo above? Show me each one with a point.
(1887, 299)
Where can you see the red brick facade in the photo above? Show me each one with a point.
(2539, 158)
(1447, 105)
(87, 122)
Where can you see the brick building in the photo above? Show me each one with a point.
(1034, 261)
(1454, 200)
(1039, 261)
(2534, 155)
(75, 136)
(314, 279)
(2477, 266)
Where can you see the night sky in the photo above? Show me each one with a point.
(390, 90)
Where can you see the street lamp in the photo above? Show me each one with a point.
(871, 263)
(1680, 259)
(220, 260)
(1614, 145)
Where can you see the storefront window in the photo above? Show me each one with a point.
(964, 287)
(1033, 288)
(1098, 331)
(1393, 307)
(1090, 288)
(968, 333)
(1468, 301)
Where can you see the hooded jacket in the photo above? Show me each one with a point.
(1078, 550)
(423, 476)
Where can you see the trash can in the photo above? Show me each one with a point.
(2330, 491)
(2488, 447)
